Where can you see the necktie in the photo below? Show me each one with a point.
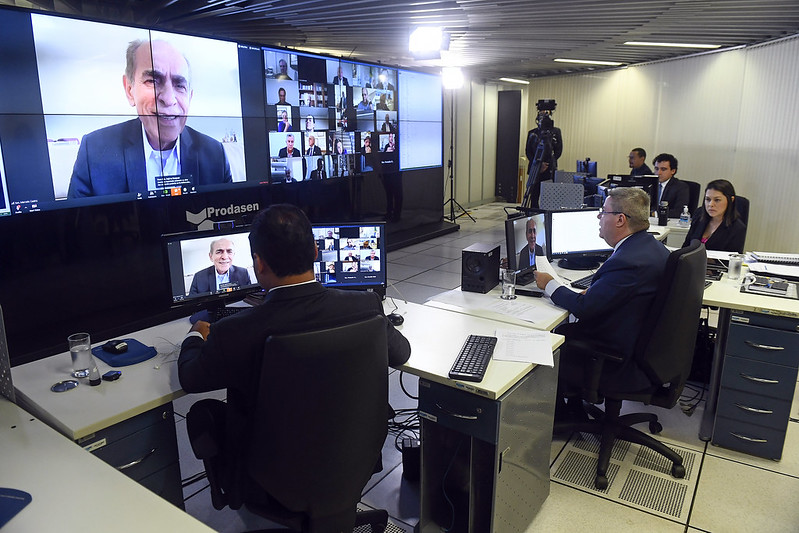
(660, 191)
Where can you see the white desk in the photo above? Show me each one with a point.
(85, 409)
(129, 422)
(490, 305)
(71, 489)
(496, 433)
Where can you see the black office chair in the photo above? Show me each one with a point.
(317, 431)
(694, 191)
(664, 352)
(742, 206)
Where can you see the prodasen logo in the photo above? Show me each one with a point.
(205, 219)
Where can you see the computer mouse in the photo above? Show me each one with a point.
(396, 319)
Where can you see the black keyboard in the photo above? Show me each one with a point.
(472, 361)
(218, 313)
(583, 283)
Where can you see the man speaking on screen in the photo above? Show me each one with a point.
(222, 275)
(157, 150)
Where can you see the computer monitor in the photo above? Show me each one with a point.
(209, 268)
(573, 238)
(587, 166)
(589, 183)
(351, 255)
(516, 243)
(648, 183)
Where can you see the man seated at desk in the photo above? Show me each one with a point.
(611, 312)
(670, 188)
(222, 274)
(228, 353)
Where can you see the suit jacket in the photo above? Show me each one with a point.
(676, 194)
(725, 239)
(231, 357)
(285, 153)
(111, 161)
(524, 256)
(205, 280)
(643, 170)
(612, 310)
(344, 81)
(319, 174)
(316, 151)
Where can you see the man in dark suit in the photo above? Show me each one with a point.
(117, 159)
(227, 354)
(312, 148)
(319, 173)
(524, 255)
(222, 274)
(611, 312)
(340, 79)
(638, 166)
(289, 150)
(670, 188)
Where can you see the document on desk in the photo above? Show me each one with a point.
(523, 346)
(537, 312)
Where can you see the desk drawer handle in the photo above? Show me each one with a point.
(765, 346)
(456, 415)
(137, 461)
(760, 380)
(750, 439)
(754, 410)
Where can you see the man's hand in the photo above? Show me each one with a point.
(203, 327)
(541, 279)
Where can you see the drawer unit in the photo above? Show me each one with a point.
(143, 447)
(459, 410)
(757, 384)
(758, 377)
(753, 408)
(749, 438)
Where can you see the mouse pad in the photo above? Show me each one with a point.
(12, 501)
(137, 352)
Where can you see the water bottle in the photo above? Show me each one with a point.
(663, 213)
(685, 217)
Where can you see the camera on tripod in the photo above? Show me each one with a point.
(548, 104)
(544, 119)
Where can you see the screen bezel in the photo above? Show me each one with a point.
(510, 236)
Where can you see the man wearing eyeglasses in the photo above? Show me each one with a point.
(611, 312)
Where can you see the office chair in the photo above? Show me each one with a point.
(664, 351)
(317, 431)
(742, 206)
(694, 191)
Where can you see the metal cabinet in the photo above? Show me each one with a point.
(757, 384)
(143, 448)
(485, 463)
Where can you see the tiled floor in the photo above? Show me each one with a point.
(734, 492)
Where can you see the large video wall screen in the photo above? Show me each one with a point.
(123, 113)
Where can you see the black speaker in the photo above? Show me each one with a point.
(480, 268)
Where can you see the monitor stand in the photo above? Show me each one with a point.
(579, 263)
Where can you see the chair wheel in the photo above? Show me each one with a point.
(678, 471)
(655, 427)
(601, 482)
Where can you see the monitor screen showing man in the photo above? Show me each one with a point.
(222, 275)
(156, 150)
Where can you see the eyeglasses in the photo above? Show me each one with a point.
(603, 212)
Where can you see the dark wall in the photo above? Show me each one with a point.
(509, 109)
(101, 268)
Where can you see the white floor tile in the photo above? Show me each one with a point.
(436, 278)
(737, 497)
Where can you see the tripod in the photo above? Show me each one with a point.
(452, 202)
(532, 194)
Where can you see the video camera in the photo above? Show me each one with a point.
(546, 105)
(544, 118)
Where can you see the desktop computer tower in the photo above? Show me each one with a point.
(480, 268)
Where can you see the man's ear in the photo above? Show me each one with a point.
(128, 90)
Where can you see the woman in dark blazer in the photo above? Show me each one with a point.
(717, 223)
